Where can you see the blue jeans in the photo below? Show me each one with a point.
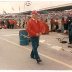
(35, 44)
(70, 34)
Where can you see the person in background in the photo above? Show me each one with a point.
(2, 22)
(70, 30)
(62, 24)
(56, 24)
(15, 23)
(23, 24)
(46, 27)
(34, 29)
(11, 23)
(8, 24)
(52, 24)
(65, 25)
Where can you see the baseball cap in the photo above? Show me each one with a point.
(34, 12)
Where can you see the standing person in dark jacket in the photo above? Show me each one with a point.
(52, 24)
(34, 29)
(56, 24)
(70, 30)
(8, 24)
(2, 22)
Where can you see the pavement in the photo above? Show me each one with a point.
(52, 40)
(13, 56)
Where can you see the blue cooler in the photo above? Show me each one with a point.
(23, 37)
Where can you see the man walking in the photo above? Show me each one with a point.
(34, 29)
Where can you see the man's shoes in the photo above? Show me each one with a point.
(38, 60)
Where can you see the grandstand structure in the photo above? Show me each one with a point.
(54, 8)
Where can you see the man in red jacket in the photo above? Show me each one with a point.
(34, 29)
(11, 24)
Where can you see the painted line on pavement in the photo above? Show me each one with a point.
(41, 41)
(56, 47)
(48, 57)
(10, 35)
(48, 44)
(52, 46)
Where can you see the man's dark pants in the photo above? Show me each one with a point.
(70, 33)
(35, 44)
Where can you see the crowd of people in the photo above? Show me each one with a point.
(54, 21)
(57, 20)
(8, 24)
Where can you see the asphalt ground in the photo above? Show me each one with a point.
(13, 56)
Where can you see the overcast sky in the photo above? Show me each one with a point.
(14, 6)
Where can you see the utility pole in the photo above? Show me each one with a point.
(26, 4)
(19, 17)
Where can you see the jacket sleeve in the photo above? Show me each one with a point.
(42, 27)
(29, 29)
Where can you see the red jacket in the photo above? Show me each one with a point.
(34, 26)
(11, 21)
(46, 28)
(15, 22)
